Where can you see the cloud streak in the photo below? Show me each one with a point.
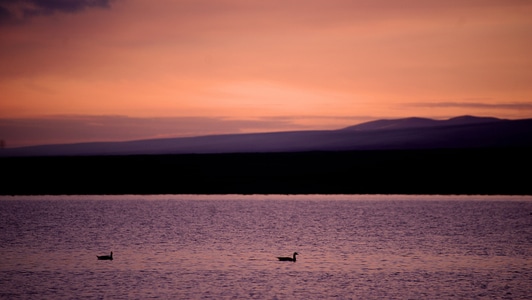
(517, 106)
(18, 10)
(74, 129)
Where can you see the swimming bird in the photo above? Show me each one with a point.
(105, 257)
(288, 258)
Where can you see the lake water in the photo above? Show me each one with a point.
(225, 247)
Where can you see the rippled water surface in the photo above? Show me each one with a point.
(225, 247)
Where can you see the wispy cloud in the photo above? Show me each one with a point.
(476, 105)
(73, 129)
(18, 10)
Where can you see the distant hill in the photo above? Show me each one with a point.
(420, 122)
(397, 134)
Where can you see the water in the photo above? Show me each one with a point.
(225, 247)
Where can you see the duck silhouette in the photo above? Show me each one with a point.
(106, 257)
(288, 258)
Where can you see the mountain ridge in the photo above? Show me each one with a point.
(405, 133)
(415, 122)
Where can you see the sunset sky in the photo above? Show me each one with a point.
(100, 70)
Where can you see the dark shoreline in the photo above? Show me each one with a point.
(494, 171)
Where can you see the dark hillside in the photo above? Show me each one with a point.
(402, 134)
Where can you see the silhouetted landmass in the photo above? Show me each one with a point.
(464, 155)
(429, 171)
(400, 134)
(415, 122)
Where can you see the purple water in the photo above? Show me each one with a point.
(225, 247)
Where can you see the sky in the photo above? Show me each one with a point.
(107, 70)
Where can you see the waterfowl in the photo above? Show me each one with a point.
(288, 258)
(105, 257)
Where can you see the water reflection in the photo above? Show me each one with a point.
(227, 247)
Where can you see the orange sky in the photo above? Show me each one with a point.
(132, 69)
